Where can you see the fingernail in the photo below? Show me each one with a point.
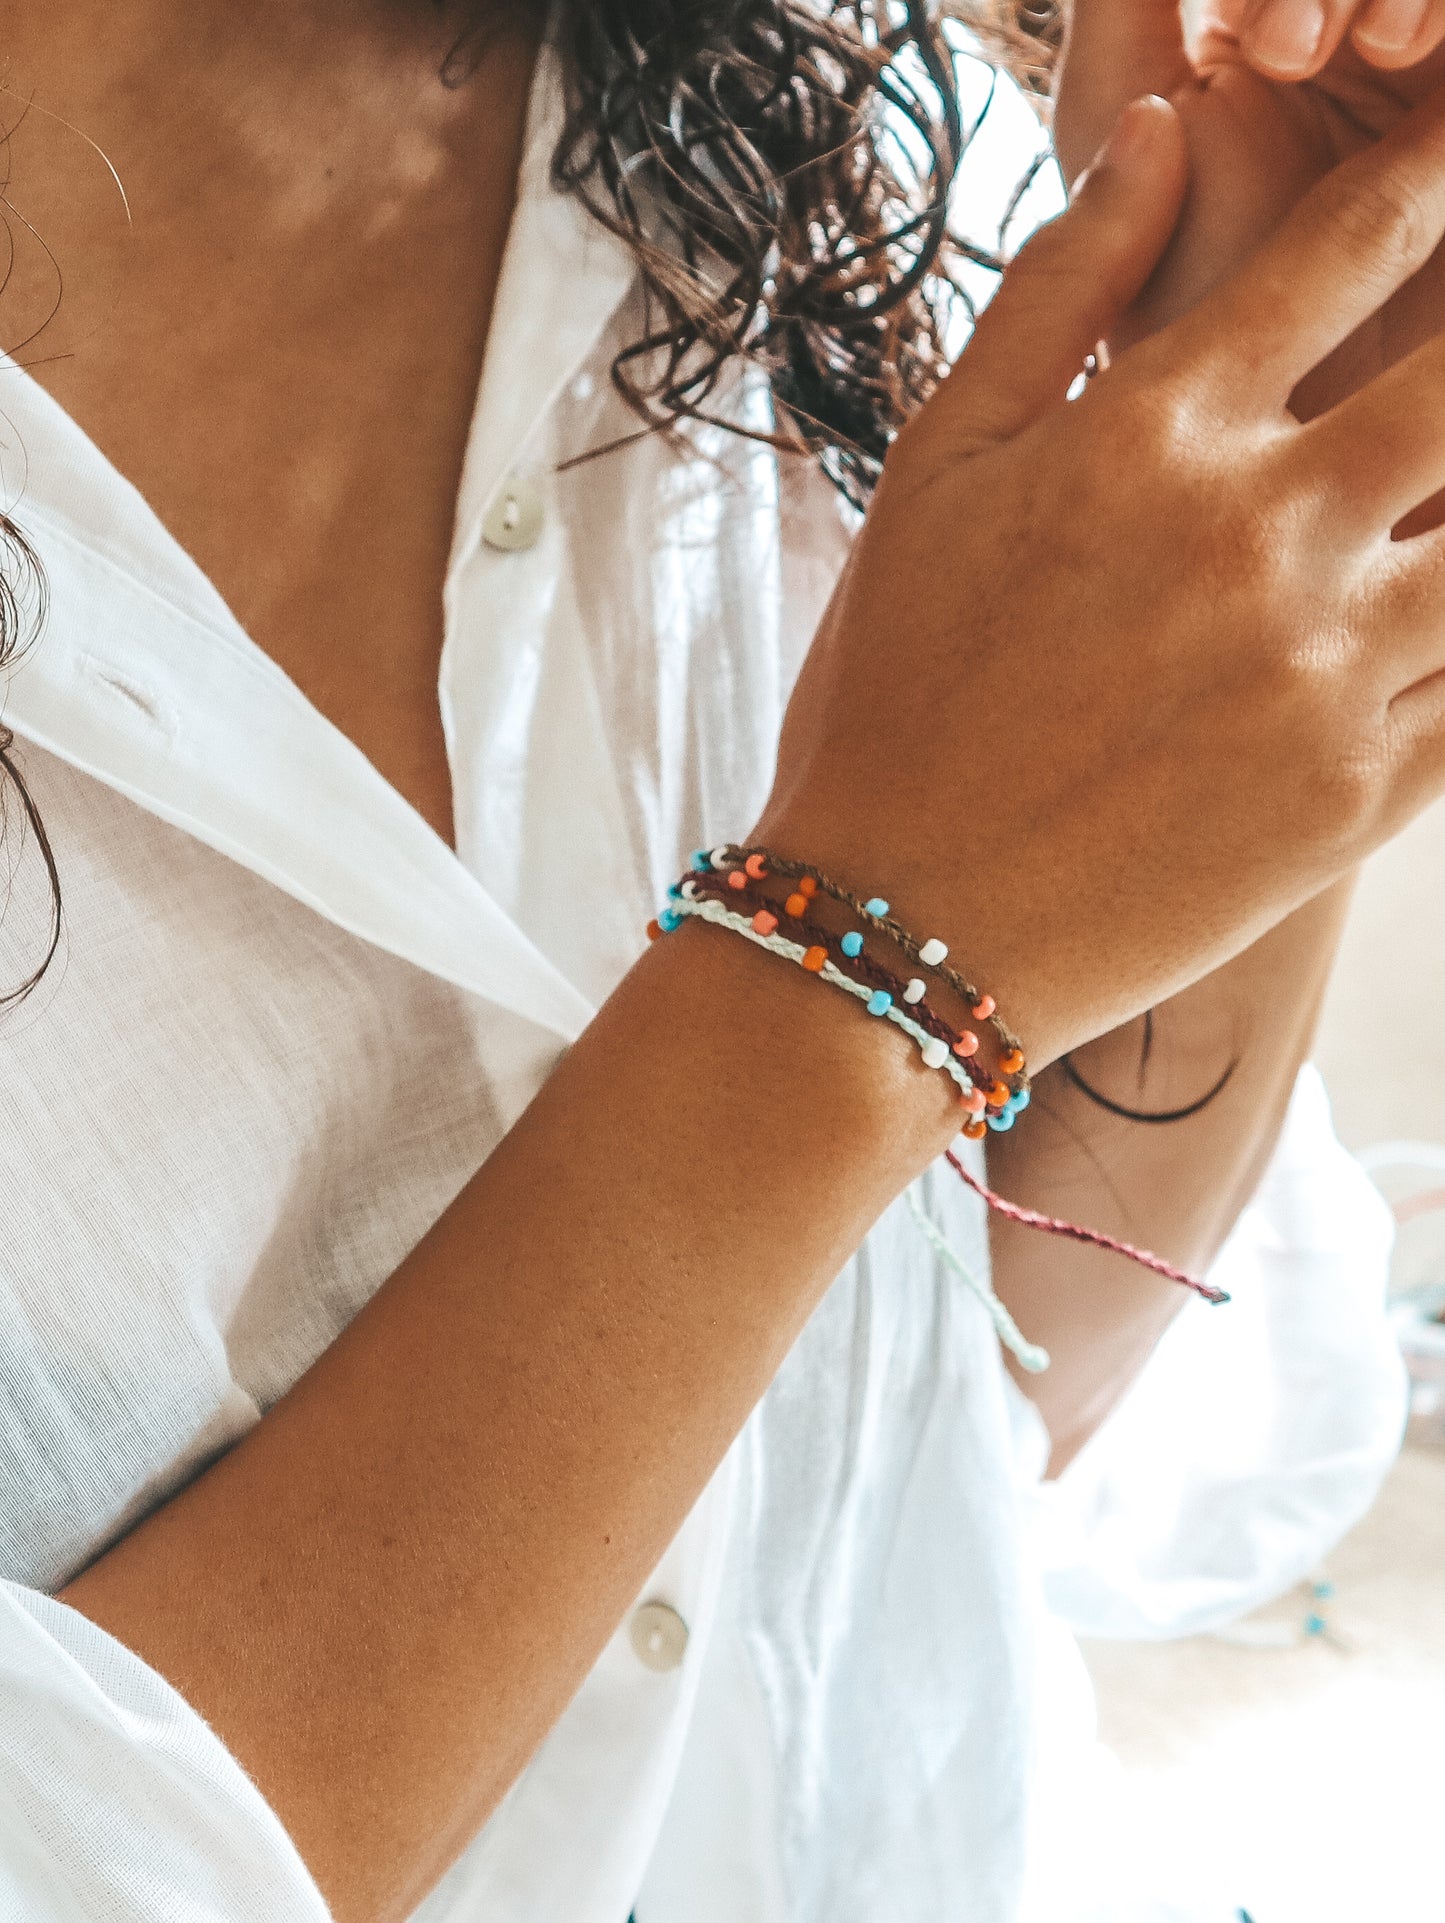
(1133, 133)
(1285, 35)
(1390, 26)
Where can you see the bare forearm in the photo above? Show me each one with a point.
(458, 1502)
(1176, 1187)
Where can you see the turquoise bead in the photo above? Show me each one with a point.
(852, 944)
(668, 920)
(879, 1002)
(674, 893)
(702, 858)
(877, 906)
(1315, 1625)
(998, 1123)
(1018, 1101)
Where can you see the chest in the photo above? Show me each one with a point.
(282, 353)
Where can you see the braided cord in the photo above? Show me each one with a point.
(1030, 1356)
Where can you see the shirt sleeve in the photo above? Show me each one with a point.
(117, 1803)
(1258, 1433)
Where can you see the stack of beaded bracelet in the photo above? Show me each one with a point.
(725, 886)
(735, 876)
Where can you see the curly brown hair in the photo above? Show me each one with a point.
(782, 170)
(749, 154)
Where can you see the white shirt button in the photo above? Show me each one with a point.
(514, 519)
(659, 1636)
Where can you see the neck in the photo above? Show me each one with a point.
(280, 122)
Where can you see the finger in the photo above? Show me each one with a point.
(1293, 39)
(1069, 285)
(1348, 245)
(1399, 33)
(1388, 440)
(1116, 51)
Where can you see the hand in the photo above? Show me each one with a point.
(1109, 688)
(1299, 39)
(1257, 144)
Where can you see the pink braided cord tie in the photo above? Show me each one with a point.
(1054, 1225)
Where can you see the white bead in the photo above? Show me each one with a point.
(933, 952)
(719, 858)
(915, 990)
(689, 888)
(935, 1052)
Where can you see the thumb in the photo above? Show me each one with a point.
(1115, 50)
(1068, 288)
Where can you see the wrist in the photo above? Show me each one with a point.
(986, 934)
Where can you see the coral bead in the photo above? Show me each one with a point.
(813, 959)
(807, 886)
(764, 923)
(967, 1044)
(796, 906)
(852, 944)
(933, 952)
(1013, 1061)
(974, 1101)
(975, 1130)
(756, 867)
(984, 1007)
(737, 879)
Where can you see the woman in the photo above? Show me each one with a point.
(366, 1365)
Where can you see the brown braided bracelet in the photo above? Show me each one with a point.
(985, 1094)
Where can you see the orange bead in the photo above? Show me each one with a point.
(813, 959)
(737, 879)
(967, 1044)
(975, 1130)
(654, 930)
(999, 1094)
(807, 886)
(984, 1007)
(796, 906)
(756, 867)
(764, 924)
(1013, 1061)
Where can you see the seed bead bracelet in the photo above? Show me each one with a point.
(875, 913)
(991, 1104)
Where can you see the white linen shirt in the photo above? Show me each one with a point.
(286, 1026)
